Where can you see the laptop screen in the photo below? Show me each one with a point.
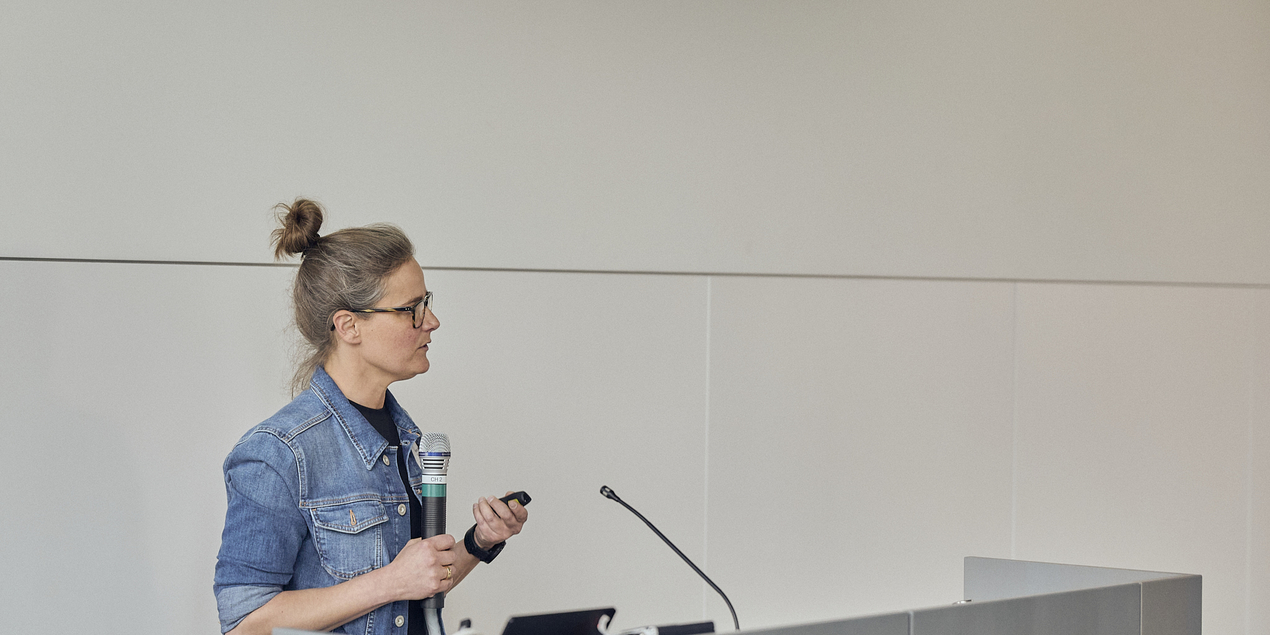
(571, 623)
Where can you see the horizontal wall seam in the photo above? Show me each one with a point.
(723, 274)
(119, 261)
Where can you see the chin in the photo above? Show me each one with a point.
(418, 366)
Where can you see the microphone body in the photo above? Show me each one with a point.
(434, 459)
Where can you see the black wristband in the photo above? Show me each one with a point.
(469, 541)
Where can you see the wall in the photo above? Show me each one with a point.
(835, 293)
(978, 138)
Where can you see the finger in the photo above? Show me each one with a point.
(490, 531)
(486, 511)
(479, 511)
(500, 507)
(441, 542)
(515, 506)
(419, 548)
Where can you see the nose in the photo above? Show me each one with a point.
(430, 321)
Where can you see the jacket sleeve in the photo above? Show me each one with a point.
(264, 527)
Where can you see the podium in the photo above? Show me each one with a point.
(1015, 597)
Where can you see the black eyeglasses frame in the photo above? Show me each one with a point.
(417, 317)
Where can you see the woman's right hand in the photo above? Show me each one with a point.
(423, 568)
(419, 571)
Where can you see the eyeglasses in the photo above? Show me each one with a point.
(417, 310)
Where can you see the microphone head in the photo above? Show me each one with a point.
(434, 453)
(608, 492)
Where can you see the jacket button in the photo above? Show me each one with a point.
(400, 621)
(401, 511)
(386, 459)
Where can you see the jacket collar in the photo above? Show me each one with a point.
(370, 445)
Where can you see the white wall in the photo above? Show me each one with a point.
(978, 138)
(824, 445)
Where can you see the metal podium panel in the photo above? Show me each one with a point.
(1106, 611)
(997, 578)
(1012, 597)
(1172, 606)
(889, 624)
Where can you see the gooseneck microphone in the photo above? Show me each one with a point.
(609, 493)
(434, 459)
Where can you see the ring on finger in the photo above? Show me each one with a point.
(449, 572)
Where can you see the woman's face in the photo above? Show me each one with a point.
(390, 342)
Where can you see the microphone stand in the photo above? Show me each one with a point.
(609, 493)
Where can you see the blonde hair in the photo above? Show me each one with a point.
(342, 270)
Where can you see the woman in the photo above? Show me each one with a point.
(323, 525)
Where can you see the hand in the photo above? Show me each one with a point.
(497, 521)
(423, 568)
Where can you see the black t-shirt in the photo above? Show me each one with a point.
(382, 422)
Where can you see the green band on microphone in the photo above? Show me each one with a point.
(432, 490)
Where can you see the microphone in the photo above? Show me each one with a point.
(608, 492)
(434, 459)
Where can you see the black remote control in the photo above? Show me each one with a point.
(519, 497)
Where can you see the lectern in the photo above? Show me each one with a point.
(1015, 597)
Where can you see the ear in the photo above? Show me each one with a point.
(346, 327)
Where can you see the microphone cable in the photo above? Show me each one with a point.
(608, 492)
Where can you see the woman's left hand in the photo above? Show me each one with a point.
(497, 521)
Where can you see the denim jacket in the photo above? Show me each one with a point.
(315, 499)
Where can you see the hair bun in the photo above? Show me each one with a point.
(301, 221)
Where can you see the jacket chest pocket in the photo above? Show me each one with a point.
(349, 537)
